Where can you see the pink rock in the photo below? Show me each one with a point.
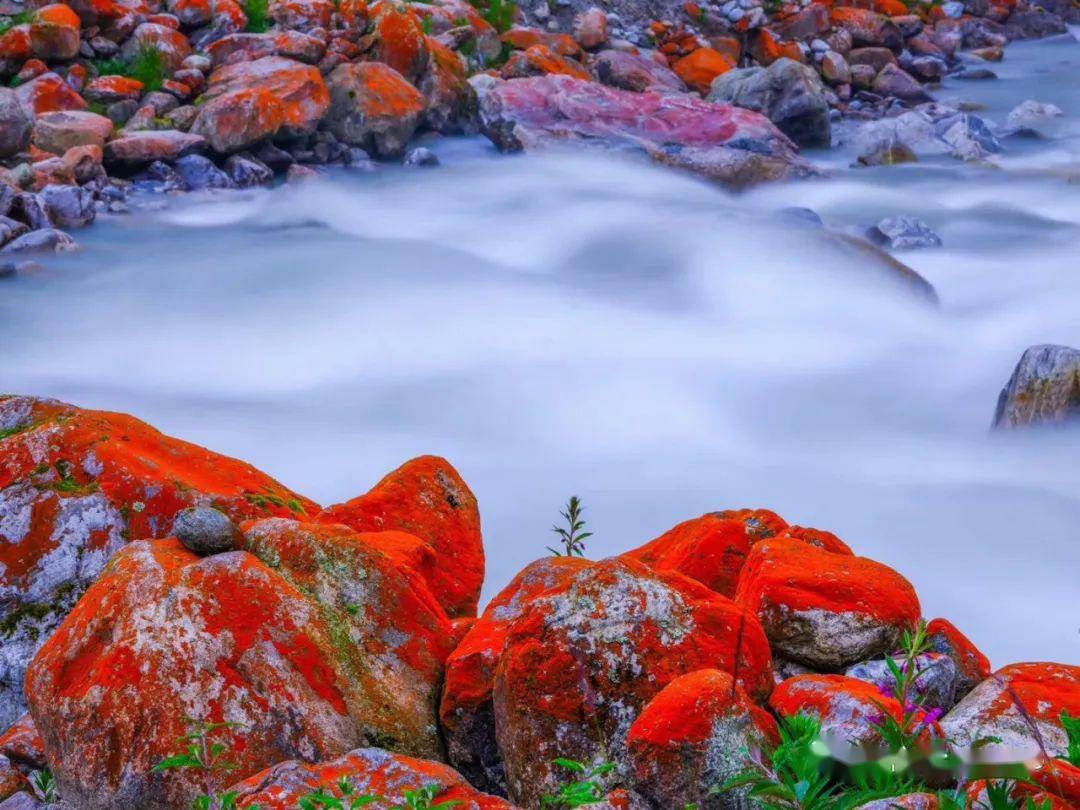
(726, 143)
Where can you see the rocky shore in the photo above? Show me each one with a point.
(181, 630)
(110, 96)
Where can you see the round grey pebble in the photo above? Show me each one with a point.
(421, 156)
(205, 530)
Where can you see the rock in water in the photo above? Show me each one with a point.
(790, 94)
(1044, 389)
(900, 233)
(370, 771)
(733, 146)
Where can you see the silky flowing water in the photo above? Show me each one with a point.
(586, 323)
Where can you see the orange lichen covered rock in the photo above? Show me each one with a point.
(54, 32)
(827, 541)
(249, 101)
(22, 744)
(972, 667)
(170, 43)
(371, 105)
(867, 28)
(1009, 703)
(111, 88)
(693, 735)
(313, 640)
(74, 486)
(766, 48)
(451, 100)
(399, 39)
(524, 38)
(302, 15)
(581, 663)
(48, 93)
(711, 548)
(822, 609)
(369, 771)
(426, 497)
(466, 710)
(539, 60)
(700, 67)
(845, 706)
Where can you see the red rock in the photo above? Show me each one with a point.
(971, 665)
(399, 39)
(15, 44)
(451, 100)
(21, 743)
(371, 105)
(74, 485)
(466, 711)
(591, 28)
(229, 16)
(867, 27)
(76, 77)
(702, 66)
(302, 15)
(107, 89)
(909, 801)
(677, 130)
(539, 60)
(1010, 705)
(169, 42)
(711, 548)
(249, 101)
(426, 497)
(524, 38)
(826, 541)
(192, 13)
(314, 639)
(167, 20)
(54, 33)
(695, 734)
(57, 132)
(845, 706)
(370, 771)
(1020, 793)
(580, 664)
(48, 93)
(766, 48)
(822, 609)
(1056, 776)
(31, 69)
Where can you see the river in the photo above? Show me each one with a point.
(586, 323)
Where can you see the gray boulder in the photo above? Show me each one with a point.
(247, 171)
(791, 95)
(900, 233)
(1044, 389)
(200, 173)
(205, 530)
(935, 685)
(15, 124)
(45, 240)
(373, 106)
(69, 206)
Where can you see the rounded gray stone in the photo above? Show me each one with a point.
(205, 530)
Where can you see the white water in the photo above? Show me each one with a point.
(589, 324)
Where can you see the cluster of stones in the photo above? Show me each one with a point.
(343, 83)
(145, 581)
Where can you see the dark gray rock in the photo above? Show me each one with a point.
(635, 72)
(936, 684)
(790, 94)
(900, 233)
(120, 112)
(7, 198)
(200, 173)
(205, 530)
(15, 124)
(1044, 389)
(1033, 22)
(21, 801)
(69, 206)
(247, 171)
(41, 241)
(895, 82)
(975, 74)
(30, 208)
(159, 177)
(10, 229)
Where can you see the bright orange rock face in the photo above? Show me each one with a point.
(1058, 777)
(580, 664)
(114, 88)
(524, 38)
(466, 710)
(314, 640)
(75, 485)
(845, 706)
(712, 548)
(48, 93)
(20, 755)
(972, 666)
(15, 44)
(400, 39)
(700, 67)
(767, 48)
(249, 101)
(822, 609)
(695, 734)
(1006, 705)
(427, 498)
(539, 60)
(370, 771)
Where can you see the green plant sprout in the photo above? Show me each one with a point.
(571, 536)
(588, 788)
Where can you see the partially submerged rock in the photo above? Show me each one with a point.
(723, 142)
(1044, 389)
